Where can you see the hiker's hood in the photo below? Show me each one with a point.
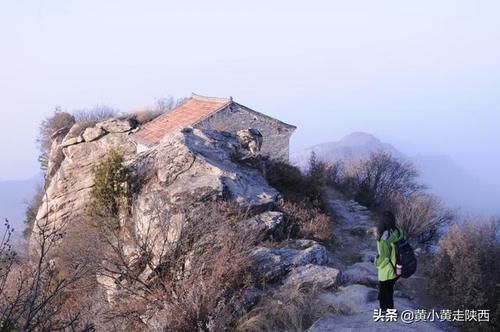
(393, 235)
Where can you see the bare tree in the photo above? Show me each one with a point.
(95, 114)
(373, 181)
(58, 122)
(32, 289)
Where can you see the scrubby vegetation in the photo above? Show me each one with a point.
(32, 209)
(293, 185)
(422, 215)
(193, 280)
(33, 293)
(110, 194)
(376, 181)
(95, 114)
(465, 273)
(57, 122)
(290, 309)
(384, 182)
(161, 106)
(303, 199)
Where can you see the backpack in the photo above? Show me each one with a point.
(405, 257)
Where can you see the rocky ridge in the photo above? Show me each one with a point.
(192, 165)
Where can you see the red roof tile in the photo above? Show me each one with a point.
(188, 113)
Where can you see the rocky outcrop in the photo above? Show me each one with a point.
(201, 164)
(315, 276)
(363, 273)
(187, 165)
(71, 181)
(275, 263)
(269, 225)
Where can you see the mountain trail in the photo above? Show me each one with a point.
(355, 300)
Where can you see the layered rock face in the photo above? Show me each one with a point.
(186, 165)
(70, 177)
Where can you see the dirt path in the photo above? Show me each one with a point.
(352, 230)
(356, 298)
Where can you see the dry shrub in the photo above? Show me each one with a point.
(422, 216)
(289, 309)
(466, 273)
(95, 114)
(32, 209)
(162, 106)
(211, 294)
(373, 181)
(196, 284)
(303, 201)
(219, 269)
(59, 121)
(295, 186)
(145, 115)
(84, 298)
(34, 291)
(307, 222)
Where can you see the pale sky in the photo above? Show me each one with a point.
(423, 75)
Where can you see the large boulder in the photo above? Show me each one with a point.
(269, 225)
(251, 140)
(118, 125)
(194, 164)
(93, 133)
(275, 263)
(315, 276)
(361, 273)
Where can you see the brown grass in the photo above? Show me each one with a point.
(309, 222)
(466, 273)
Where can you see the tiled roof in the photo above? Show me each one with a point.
(186, 114)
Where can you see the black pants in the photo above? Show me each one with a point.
(385, 294)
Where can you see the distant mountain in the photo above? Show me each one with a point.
(357, 145)
(444, 177)
(14, 196)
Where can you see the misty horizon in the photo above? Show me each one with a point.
(422, 77)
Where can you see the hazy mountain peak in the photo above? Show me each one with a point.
(360, 138)
(440, 172)
(353, 146)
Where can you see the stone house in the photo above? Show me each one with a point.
(219, 114)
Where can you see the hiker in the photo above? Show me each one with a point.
(387, 234)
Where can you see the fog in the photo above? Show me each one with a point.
(423, 76)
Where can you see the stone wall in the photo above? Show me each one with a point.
(236, 117)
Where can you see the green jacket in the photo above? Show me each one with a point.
(387, 254)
